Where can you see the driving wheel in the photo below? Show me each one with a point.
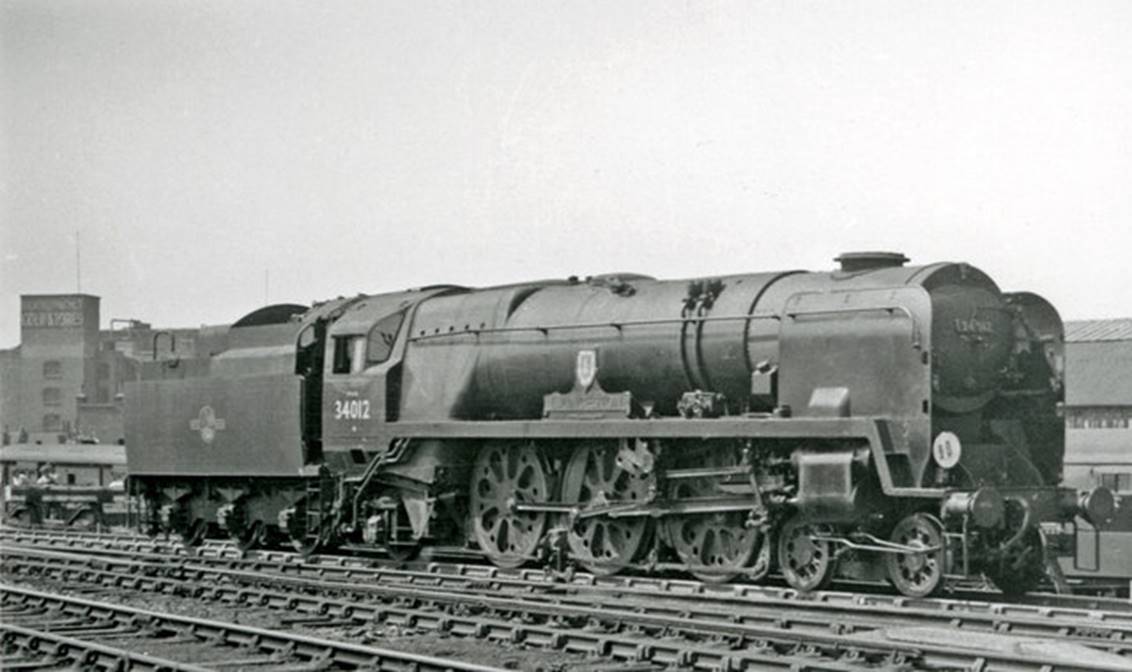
(716, 547)
(605, 544)
(506, 474)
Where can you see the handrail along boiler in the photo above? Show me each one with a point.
(876, 421)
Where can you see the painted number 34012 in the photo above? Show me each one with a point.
(351, 409)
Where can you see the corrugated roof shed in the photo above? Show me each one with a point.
(1079, 331)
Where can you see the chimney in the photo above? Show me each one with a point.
(852, 262)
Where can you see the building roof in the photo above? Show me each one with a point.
(1078, 331)
(64, 453)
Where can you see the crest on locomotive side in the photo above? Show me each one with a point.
(207, 424)
(585, 368)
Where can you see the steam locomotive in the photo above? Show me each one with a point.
(875, 422)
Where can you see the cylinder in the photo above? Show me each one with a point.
(985, 506)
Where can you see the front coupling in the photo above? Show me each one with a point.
(1097, 506)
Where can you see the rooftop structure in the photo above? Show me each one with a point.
(65, 379)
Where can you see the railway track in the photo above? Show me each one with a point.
(450, 573)
(708, 631)
(448, 585)
(46, 630)
(510, 622)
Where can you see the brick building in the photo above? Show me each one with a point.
(65, 378)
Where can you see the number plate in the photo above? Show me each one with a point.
(351, 409)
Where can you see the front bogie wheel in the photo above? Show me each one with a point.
(805, 556)
(917, 574)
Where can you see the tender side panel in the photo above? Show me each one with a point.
(247, 426)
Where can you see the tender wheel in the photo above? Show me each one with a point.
(920, 574)
(604, 544)
(1021, 568)
(307, 547)
(321, 541)
(308, 541)
(717, 547)
(806, 562)
(506, 474)
(252, 537)
(196, 533)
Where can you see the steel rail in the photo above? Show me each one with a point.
(97, 540)
(1037, 603)
(689, 624)
(998, 615)
(85, 655)
(344, 654)
(637, 644)
(1086, 627)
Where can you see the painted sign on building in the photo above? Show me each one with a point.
(52, 312)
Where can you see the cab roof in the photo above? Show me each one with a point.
(360, 316)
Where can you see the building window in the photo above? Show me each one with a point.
(1118, 483)
(1100, 418)
(52, 422)
(52, 396)
(53, 369)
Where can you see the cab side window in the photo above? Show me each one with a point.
(349, 354)
(381, 338)
(343, 354)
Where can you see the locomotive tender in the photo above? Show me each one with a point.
(877, 421)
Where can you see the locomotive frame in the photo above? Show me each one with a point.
(877, 422)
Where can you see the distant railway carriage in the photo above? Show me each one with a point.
(878, 421)
(76, 485)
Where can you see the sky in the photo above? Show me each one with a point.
(206, 157)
